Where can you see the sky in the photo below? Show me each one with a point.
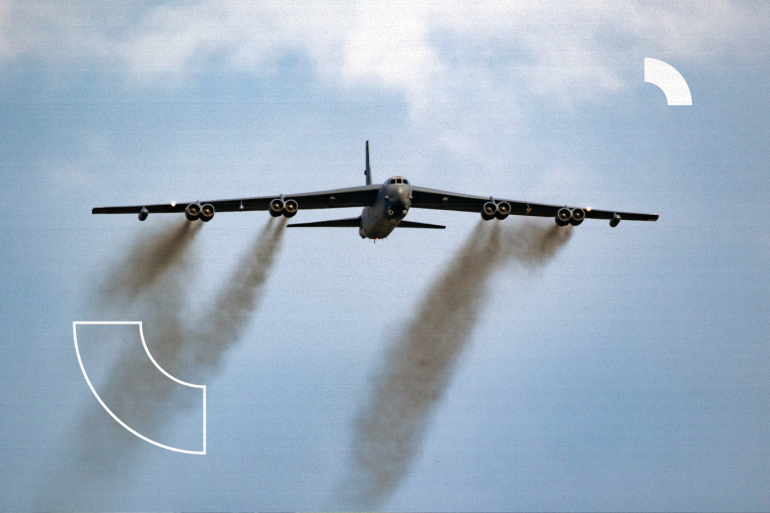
(628, 372)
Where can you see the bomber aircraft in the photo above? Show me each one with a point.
(384, 207)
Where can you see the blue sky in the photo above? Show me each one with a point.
(628, 374)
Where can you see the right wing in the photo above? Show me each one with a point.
(338, 198)
(351, 222)
(443, 200)
(412, 224)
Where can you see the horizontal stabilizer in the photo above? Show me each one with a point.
(352, 222)
(410, 224)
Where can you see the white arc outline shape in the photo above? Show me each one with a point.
(141, 334)
(670, 81)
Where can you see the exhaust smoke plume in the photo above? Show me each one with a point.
(237, 300)
(194, 350)
(149, 261)
(186, 349)
(154, 277)
(418, 367)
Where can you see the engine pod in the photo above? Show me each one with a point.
(615, 220)
(563, 216)
(290, 208)
(143, 213)
(192, 211)
(207, 213)
(503, 209)
(577, 216)
(488, 211)
(276, 207)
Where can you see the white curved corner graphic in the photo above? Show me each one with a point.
(670, 81)
(141, 333)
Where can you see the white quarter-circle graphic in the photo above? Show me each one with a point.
(670, 81)
(146, 350)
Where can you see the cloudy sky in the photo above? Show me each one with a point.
(627, 373)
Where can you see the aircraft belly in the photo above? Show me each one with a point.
(376, 225)
(380, 231)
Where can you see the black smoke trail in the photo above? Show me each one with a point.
(150, 259)
(152, 283)
(419, 365)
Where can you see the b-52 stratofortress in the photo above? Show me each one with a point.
(384, 207)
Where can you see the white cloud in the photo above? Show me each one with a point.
(427, 51)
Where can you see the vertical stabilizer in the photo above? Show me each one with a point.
(368, 171)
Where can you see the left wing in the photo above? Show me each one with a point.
(442, 200)
(338, 198)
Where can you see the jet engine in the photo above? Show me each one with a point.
(615, 220)
(207, 213)
(143, 213)
(578, 214)
(503, 209)
(290, 208)
(563, 216)
(276, 207)
(488, 211)
(192, 211)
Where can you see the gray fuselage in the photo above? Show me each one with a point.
(390, 206)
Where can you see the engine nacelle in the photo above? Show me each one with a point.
(488, 211)
(615, 220)
(578, 214)
(143, 214)
(276, 208)
(207, 213)
(563, 216)
(503, 209)
(290, 208)
(192, 211)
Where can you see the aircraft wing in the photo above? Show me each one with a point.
(338, 198)
(355, 222)
(443, 200)
(351, 222)
(413, 224)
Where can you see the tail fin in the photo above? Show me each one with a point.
(368, 171)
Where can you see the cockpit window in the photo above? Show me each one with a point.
(392, 180)
(398, 180)
(406, 181)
